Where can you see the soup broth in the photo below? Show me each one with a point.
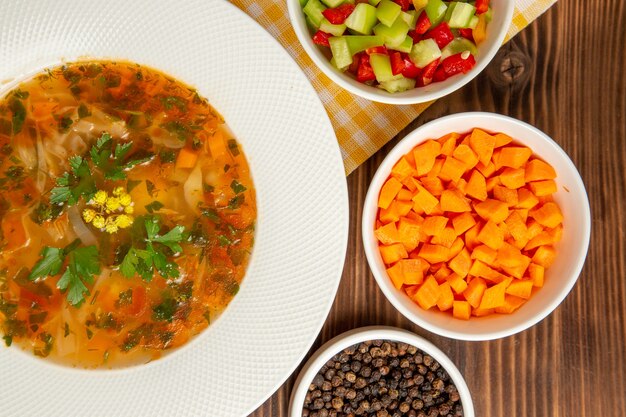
(127, 213)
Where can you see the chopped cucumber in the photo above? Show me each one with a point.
(381, 65)
(313, 10)
(335, 30)
(436, 10)
(309, 23)
(373, 2)
(473, 22)
(419, 4)
(425, 52)
(332, 3)
(362, 19)
(458, 45)
(459, 14)
(393, 35)
(410, 18)
(398, 84)
(489, 14)
(341, 52)
(334, 64)
(405, 46)
(387, 12)
(361, 43)
(303, 3)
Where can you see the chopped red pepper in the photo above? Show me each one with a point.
(354, 67)
(467, 34)
(365, 72)
(377, 50)
(441, 34)
(423, 23)
(397, 63)
(426, 76)
(482, 6)
(440, 75)
(415, 36)
(321, 38)
(405, 4)
(410, 70)
(338, 15)
(456, 64)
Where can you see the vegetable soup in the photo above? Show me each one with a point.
(127, 211)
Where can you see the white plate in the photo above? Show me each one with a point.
(301, 239)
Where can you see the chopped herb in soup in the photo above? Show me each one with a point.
(127, 214)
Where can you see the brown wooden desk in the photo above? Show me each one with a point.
(565, 74)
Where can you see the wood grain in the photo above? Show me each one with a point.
(564, 74)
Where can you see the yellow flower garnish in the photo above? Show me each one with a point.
(110, 226)
(123, 221)
(125, 200)
(98, 222)
(88, 215)
(118, 191)
(112, 204)
(129, 209)
(100, 198)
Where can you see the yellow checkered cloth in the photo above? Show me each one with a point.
(362, 126)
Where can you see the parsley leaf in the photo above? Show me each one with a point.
(49, 265)
(83, 265)
(71, 186)
(237, 187)
(171, 238)
(112, 160)
(19, 115)
(165, 311)
(154, 206)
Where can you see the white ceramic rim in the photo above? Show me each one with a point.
(352, 337)
(370, 209)
(296, 16)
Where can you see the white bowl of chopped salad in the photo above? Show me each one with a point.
(401, 51)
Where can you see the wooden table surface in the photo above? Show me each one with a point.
(564, 74)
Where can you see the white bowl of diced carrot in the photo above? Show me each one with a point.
(476, 226)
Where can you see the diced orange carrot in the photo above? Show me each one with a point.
(484, 254)
(390, 214)
(434, 225)
(544, 256)
(404, 195)
(523, 213)
(533, 228)
(433, 185)
(476, 186)
(491, 183)
(506, 195)
(387, 234)
(512, 178)
(410, 184)
(408, 233)
(517, 271)
(461, 185)
(543, 188)
(412, 271)
(446, 297)
(393, 253)
(537, 170)
(461, 310)
(452, 169)
(520, 288)
(436, 168)
(483, 144)
(457, 283)
(217, 145)
(516, 225)
(448, 143)
(466, 155)
(495, 158)
(502, 140)
(461, 263)
(453, 201)
(471, 236)
(424, 201)
(492, 210)
(479, 269)
(428, 293)
(511, 257)
(493, 297)
(511, 303)
(486, 169)
(514, 156)
(402, 169)
(410, 290)
(388, 192)
(548, 215)
(526, 199)
(404, 207)
(463, 222)
(556, 233)
(537, 273)
(396, 274)
(481, 312)
(445, 238)
(541, 239)
(425, 155)
(186, 158)
(456, 248)
(474, 291)
(442, 272)
(434, 253)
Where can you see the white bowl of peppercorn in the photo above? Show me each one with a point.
(380, 371)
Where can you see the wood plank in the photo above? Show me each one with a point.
(565, 75)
